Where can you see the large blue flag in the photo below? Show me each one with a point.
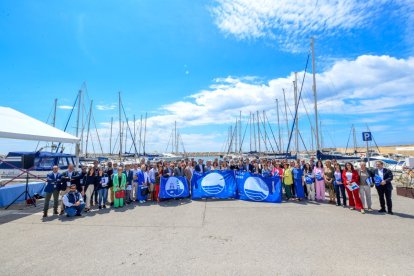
(173, 187)
(217, 184)
(255, 187)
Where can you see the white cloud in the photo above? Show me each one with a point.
(105, 107)
(290, 22)
(370, 89)
(65, 107)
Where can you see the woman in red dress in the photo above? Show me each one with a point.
(350, 178)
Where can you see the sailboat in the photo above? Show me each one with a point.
(175, 140)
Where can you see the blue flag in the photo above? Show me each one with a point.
(173, 187)
(255, 187)
(213, 184)
(377, 180)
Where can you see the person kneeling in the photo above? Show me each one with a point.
(73, 202)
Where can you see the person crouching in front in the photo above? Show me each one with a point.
(73, 202)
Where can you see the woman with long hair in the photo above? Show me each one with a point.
(89, 182)
(319, 173)
(350, 178)
(309, 181)
(329, 178)
(298, 181)
(339, 185)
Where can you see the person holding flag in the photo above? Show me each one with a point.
(298, 181)
(339, 186)
(318, 171)
(383, 178)
(350, 179)
(310, 181)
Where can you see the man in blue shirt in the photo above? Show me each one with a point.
(73, 202)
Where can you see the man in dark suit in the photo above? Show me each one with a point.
(179, 170)
(52, 188)
(166, 170)
(129, 178)
(200, 167)
(383, 178)
(248, 167)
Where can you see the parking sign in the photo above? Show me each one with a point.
(366, 136)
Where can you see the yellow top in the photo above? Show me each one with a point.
(287, 177)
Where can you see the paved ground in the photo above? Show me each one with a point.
(211, 238)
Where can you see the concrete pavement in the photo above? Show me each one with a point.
(211, 238)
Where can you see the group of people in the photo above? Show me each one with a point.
(116, 185)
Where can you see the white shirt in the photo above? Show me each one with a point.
(146, 177)
(66, 200)
(152, 174)
(381, 173)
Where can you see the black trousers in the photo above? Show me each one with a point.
(340, 190)
(385, 191)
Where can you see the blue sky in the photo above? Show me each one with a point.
(200, 62)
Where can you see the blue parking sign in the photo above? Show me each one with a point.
(366, 136)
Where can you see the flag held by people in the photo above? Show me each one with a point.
(253, 187)
(213, 184)
(173, 187)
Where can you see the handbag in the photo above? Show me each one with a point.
(144, 191)
(120, 194)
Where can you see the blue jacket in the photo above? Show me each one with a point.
(129, 177)
(53, 183)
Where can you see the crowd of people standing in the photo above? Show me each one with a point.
(116, 185)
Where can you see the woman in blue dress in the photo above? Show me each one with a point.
(298, 181)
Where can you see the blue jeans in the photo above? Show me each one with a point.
(74, 210)
(102, 196)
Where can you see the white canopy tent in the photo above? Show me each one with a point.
(16, 125)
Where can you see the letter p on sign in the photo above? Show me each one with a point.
(366, 136)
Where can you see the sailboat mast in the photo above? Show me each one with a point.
(126, 134)
(231, 138)
(236, 136)
(120, 126)
(286, 116)
(145, 132)
(320, 124)
(240, 134)
(54, 113)
(258, 129)
(315, 96)
(254, 132)
(355, 141)
(295, 86)
(82, 107)
(175, 138)
(250, 129)
(278, 123)
(110, 136)
(77, 147)
(135, 137)
(140, 136)
(264, 130)
(54, 119)
(89, 126)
